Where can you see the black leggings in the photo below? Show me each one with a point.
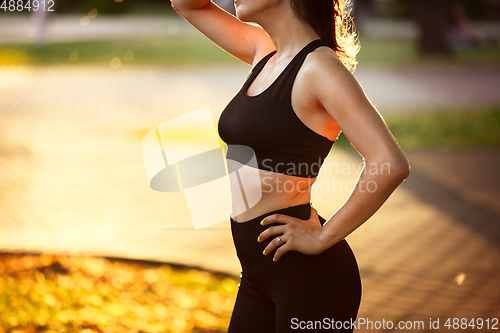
(297, 292)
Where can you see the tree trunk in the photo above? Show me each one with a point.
(431, 20)
(362, 13)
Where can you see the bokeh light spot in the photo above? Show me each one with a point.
(173, 29)
(32, 32)
(115, 62)
(92, 13)
(459, 279)
(128, 56)
(156, 40)
(74, 55)
(84, 21)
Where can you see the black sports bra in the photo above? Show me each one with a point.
(268, 125)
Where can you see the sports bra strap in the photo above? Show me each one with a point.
(263, 61)
(282, 85)
(288, 77)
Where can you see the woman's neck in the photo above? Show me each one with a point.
(288, 33)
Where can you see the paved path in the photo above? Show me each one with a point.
(160, 92)
(72, 180)
(418, 88)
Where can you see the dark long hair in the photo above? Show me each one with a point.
(333, 24)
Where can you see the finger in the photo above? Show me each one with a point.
(274, 244)
(271, 231)
(276, 218)
(281, 250)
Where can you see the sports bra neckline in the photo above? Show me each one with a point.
(262, 63)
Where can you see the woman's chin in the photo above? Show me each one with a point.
(243, 15)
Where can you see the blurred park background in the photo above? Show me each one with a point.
(87, 246)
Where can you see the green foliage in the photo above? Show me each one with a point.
(196, 49)
(402, 9)
(425, 129)
(157, 50)
(102, 6)
(477, 9)
(387, 51)
(398, 9)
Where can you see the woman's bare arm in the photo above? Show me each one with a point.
(386, 166)
(245, 41)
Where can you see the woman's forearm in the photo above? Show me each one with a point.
(374, 186)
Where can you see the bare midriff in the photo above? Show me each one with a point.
(255, 192)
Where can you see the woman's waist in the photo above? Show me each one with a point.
(247, 205)
(253, 194)
(251, 228)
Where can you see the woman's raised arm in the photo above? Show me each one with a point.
(245, 41)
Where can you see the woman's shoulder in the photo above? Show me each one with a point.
(323, 59)
(323, 66)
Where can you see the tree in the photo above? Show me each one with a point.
(362, 13)
(430, 16)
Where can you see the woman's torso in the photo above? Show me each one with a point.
(272, 190)
(283, 131)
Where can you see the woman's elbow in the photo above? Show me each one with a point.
(400, 169)
(393, 167)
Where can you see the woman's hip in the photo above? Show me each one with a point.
(250, 251)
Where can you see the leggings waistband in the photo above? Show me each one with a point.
(245, 234)
(251, 228)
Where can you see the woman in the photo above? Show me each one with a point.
(298, 272)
